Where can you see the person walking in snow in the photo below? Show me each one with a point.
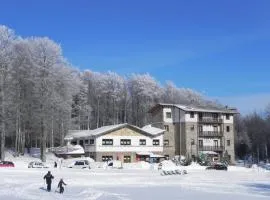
(55, 164)
(60, 185)
(48, 178)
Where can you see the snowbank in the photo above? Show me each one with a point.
(137, 165)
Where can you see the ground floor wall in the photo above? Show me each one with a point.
(125, 157)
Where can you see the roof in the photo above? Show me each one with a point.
(152, 130)
(192, 108)
(146, 130)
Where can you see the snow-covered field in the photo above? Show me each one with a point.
(134, 181)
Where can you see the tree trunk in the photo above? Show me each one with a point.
(3, 128)
(98, 113)
(52, 136)
(258, 154)
(43, 142)
(62, 133)
(266, 151)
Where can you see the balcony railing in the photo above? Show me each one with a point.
(211, 148)
(210, 134)
(210, 120)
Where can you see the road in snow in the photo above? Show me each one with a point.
(127, 184)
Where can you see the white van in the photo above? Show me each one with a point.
(80, 164)
(115, 164)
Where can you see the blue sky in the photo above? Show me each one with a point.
(219, 48)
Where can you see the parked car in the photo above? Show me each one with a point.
(267, 166)
(6, 164)
(36, 164)
(115, 164)
(217, 166)
(80, 164)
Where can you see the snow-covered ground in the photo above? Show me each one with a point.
(134, 181)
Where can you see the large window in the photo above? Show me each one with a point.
(228, 143)
(81, 142)
(127, 159)
(168, 115)
(166, 142)
(106, 158)
(200, 143)
(155, 142)
(92, 141)
(86, 141)
(166, 127)
(142, 142)
(227, 117)
(191, 114)
(107, 141)
(125, 142)
(228, 128)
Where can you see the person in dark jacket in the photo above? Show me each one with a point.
(60, 185)
(48, 178)
(55, 164)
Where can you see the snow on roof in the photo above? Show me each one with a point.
(152, 130)
(209, 152)
(191, 108)
(144, 153)
(69, 149)
(148, 130)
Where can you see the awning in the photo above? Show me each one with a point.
(209, 152)
(144, 153)
(156, 156)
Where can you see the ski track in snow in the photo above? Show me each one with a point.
(129, 184)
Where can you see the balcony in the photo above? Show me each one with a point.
(210, 134)
(210, 120)
(211, 148)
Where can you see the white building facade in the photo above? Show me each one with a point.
(120, 142)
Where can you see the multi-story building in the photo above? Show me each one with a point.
(123, 142)
(192, 131)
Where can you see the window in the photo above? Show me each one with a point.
(107, 141)
(125, 142)
(191, 114)
(166, 142)
(200, 143)
(92, 141)
(79, 163)
(192, 127)
(192, 142)
(227, 116)
(228, 128)
(168, 115)
(215, 115)
(106, 158)
(86, 141)
(166, 127)
(228, 143)
(155, 142)
(81, 142)
(74, 142)
(142, 142)
(216, 143)
(215, 129)
(127, 159)
(200, 129)
(229, 157)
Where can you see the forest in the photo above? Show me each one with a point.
(42, 96)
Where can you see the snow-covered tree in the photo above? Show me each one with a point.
(7, 38)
